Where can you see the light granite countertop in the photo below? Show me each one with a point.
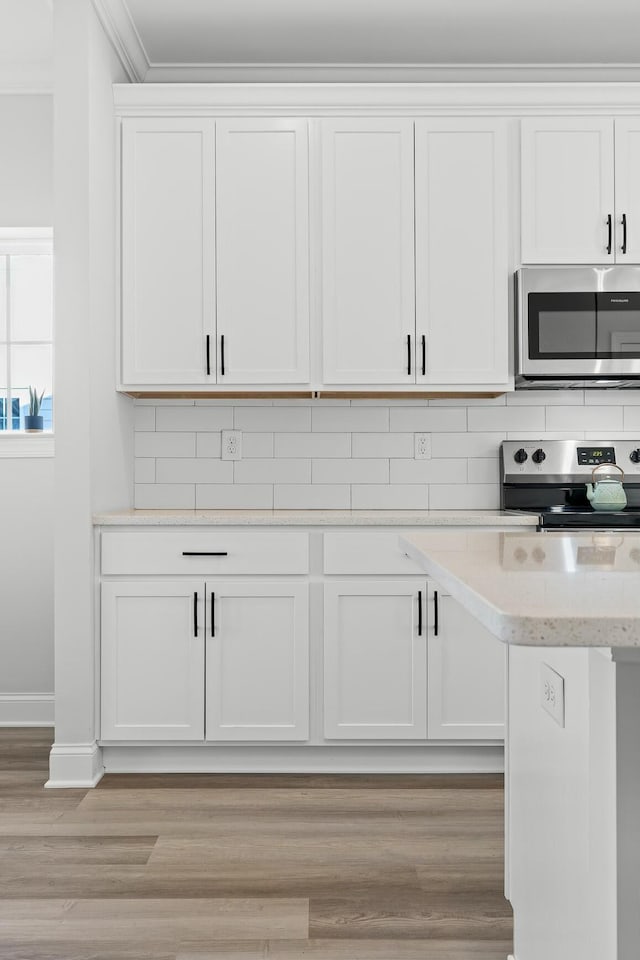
(312, 518)
(540, 589)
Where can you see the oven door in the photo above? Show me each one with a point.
(579, 322)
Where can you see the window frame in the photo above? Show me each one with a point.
(15, 241)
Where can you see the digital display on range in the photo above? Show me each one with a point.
(592, 456)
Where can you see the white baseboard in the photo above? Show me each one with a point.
(206, 758)
(26, 709)
(76, 765)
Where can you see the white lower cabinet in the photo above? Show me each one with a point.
(152, 660)
(466, 674)
(170, 646)
(375, 660)
(257, 670)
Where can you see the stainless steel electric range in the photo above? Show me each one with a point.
(549, 478)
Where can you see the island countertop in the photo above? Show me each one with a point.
(540, 589)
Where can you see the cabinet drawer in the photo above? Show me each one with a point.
(151, 552)
(367, 553)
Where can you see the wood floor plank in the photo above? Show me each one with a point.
(248, 868)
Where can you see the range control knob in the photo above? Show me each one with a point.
(634, 456)
(520, 455)
(538, 456)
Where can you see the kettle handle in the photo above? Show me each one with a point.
(608, 466)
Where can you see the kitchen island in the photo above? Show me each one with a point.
(568, 606)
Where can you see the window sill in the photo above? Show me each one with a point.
(20, 445)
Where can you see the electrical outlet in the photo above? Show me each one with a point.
(232, 445)
(552, 693)
(422, 446)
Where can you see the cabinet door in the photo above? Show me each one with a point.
(168, 236)
(152, 660)
(627, 190)
(368, 300)
(466, 674)
(462, 277)
(262, 212)
(257, 661)
(375, 660)
(567, 190)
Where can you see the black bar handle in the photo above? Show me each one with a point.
(610, 233)
(424, 355)
(222, 355)
(195, 614)
(213, 622)
(204, 553)
(419, 613)
(435, 613)
(408, 354)
(624, 233)
(208, 355)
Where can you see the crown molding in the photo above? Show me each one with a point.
(391, 73)
(400, 99)
(117, 23)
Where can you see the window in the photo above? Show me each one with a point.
(26, 327)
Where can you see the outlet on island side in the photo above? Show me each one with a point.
(552, 693)
(232, 445)
(422, 446)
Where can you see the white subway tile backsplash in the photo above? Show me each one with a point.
(164, 496)
(350, 471)
(312, 445)
(165, 444)
(145, 470)
(257, 445)
(483, 470)
(428, 471)
(355, 454)
(382, 445)
(272, 471)
(192, 470)
(234, 496)
(208, 444)
(144, 418)
(323, 496)
(372, 496)
(584, 418)
(194, 418)
(472, 496)
(350, 419)
(489, 419)
(428, 419)
(272, 419)
(466, 444)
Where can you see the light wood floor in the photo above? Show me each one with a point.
(286, 868)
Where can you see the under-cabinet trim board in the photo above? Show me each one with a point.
(312, 395)
(305, 758)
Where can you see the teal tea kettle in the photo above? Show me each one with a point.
(608, 493)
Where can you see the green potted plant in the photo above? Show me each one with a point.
(33, 421)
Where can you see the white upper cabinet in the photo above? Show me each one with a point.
(167, 254)
(462, 310)
(568, 213)
(368, 298)
(262, 256)
(627, 151)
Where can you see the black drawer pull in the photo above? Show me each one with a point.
(208, 355)
(609, 233)
(195, 614)
(435, 613)
(222, 355)
(204, 553)
(213, 622)
(624, 233)
(408, 354)
(419, 613)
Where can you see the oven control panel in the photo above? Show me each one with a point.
(593, 456)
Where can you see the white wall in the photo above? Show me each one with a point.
(26, 485)
(94, 426)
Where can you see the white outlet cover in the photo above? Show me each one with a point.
(422, 446)
(231, 445)
(552, 693)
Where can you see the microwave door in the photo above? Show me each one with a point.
(618, 326)
(562, 330)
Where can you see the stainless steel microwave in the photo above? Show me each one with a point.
(578, 326)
